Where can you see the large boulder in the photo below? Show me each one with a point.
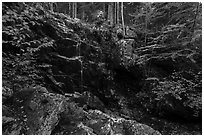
(97, 122)
(34, 111)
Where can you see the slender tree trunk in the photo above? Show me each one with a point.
(115, 12)
(104, 7)
(122, 18)
(70, 9)
(75, 9)
(104, 10)
(110, 12)
(118, 13)
(147, 18)
(82, 11)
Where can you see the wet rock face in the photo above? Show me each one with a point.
(35, 111)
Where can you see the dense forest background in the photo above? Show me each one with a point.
(101, 68)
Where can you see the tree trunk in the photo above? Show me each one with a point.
(115, 13)
(118, 13)
(104, 7)
(105, 10)
(72, 9)
(122, 18)
(69, 9)
(147, 18)
(75, 9)
(110, 13)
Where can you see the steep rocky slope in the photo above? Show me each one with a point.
(87, 81)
